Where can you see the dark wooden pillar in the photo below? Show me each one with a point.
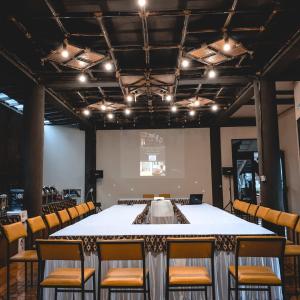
(268, 145)
(216, 166)
(33, 149)
(90, 162)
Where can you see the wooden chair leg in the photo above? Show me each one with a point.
(31, 274)
(229, 286)
(94, 287)
(148, 284)
(269, 293)
(55, 295)
(206, 295)
(109, 294)
(8, 280)
(25, 276)
(236, 291)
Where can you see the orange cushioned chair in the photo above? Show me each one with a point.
(12, 233)
(148, 196)
(52, 222)
(85, 207)
(293, 250)
(63, 279)
(165, 195)
(72, 211)
(254, 277)
(261, 212)
(64, 217)
(91, 206)
(272, 216)
(125, 280)
(190, 278)
(80, 209)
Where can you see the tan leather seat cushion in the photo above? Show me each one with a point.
(67, 277)
(255, 275)
(28, 255)
(189, 275)
(123, 277)
(292, 250)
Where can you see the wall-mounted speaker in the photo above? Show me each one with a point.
(98, 174)
(227, 171)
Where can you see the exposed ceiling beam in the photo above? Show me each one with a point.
(283, 58)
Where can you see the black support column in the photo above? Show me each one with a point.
(33, 117)
(216, 166)
(90, 162)
(268, 145)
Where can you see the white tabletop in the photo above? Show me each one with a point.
(204, 220)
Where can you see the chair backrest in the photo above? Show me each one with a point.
(262, 211)
(91, 205)
(85, 207)
(252, 210)
(272, 216)
(148, 196)
(244, 206)
(165, 195)
(52, 220)
(297, 227)
(260, 246)
(73, 213)
(52, 249)
(63, 216)
(190, 247)
(121, 250)
(236, 204)
(80, 209)
(288, 220)
(15, 231)
(36, 224)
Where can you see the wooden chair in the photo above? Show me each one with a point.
(37, 229)
(272, 216)
(186, 278)
(12, 233)
(241, 208)
(91, 207)
(81, 210)
(261, 213)
(289, 222)
(72, 211)
(52, 222)
(293, 250)
(64, 217)
(148, 196)
(254, 277)
(252, 212)
(63, 280)
(86, 208)
(123, 280)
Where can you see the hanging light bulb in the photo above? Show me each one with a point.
(169, 97)
(110, 116)
(86, 112)
(192, 113)
(185, 63)
(108, 66)
(82, 78)
(215, 107)
(129, 98)
(65, 53)
(173, 108)
(226, 46)
(212, 73)
(103, 107)
(142, 3)
(127, 111)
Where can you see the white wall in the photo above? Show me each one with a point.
(64, 157)
(228, 134)
(197, 173)
(289, 144)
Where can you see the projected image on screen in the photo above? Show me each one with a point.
(152, 155)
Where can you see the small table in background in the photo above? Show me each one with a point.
(162, 212)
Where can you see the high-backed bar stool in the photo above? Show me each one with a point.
(52, 222)
(64, 217)
(254, 277)
(123, 280)
(190, 278)
(14, 232)
(63, 280)
(72, 211)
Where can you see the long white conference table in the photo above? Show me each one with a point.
(204, 220)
